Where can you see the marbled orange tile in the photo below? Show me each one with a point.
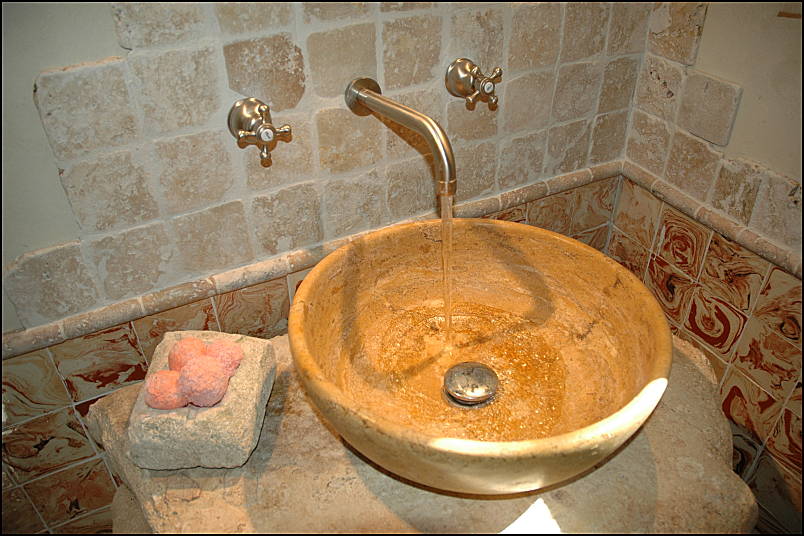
(628, 253)
(718, 365)
(593, 204)
(553, 212)
(294, 281)
(594, 237)
(257, 311)
(714, 321)
(67, 494)
(97, 522)
(198, 315)
(31, 387)
(733, 273)
(517, 214)
(19, 516)
(100, 362)
(779, 305)
(744, 451)
(778, 492)
(670, 286)
(765, 357)
(682, 241)
(45, 444)
(637, 213)
(794, 404)
(785, 442)
(745, 403)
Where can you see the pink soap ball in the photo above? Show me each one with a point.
(185, 350)
(204, 380)
(229, 353)
(162, 390)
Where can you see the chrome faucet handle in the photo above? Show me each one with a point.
(250, 123)
(465, 79)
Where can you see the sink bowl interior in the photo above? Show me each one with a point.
(575, 339)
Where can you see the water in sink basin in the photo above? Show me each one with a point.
(403, 380)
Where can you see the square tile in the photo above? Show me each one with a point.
(535, 36)
(407, 58)
(637, 213)
(709, 107)
(257, 311)
(98, 522)
(31, 387)
(745, 451)
(628, 253)
(521, 160)
(719, 366)
(748, 405)
(779, 305)
(340, 55)
(682, 241)
(785, 443)
(714, 321)
(553, 212)
(45, 444)
(778, 492)
(675, 30)
(585, 27)
(736, 189)
(294, 280)
(287, 219)
(659, 87)
(593, 204)
(619, 81)
(517, 214)
(648, 141)
(594, 237)
(608, 137)
(672, 287)
(733, 273)
(198, 315)
(692, 165)
(19, 515)
(100, 362)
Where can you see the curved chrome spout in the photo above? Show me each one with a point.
(363, 95)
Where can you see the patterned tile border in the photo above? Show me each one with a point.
(23, 341)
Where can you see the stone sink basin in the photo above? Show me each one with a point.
(581, 349)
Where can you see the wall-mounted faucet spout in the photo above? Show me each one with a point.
(364, 96)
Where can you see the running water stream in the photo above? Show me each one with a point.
(446, 262)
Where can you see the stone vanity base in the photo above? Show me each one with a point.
(674, 475)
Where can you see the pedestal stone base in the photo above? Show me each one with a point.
(674, 475)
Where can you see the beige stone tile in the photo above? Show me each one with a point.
(147, 24)
(777, 212)
(477, 34)
(619, 81)
(675, 30)
(354, 204)
(403, 6)
(527, 101)
(608, 137)
(45, 444)
(113, 255)
(733, 273)
(111, 192)
(290, 162)
(553, 212)
(199, 315)
(682, 241)
(31, 387)
(659, 87)
(629, 26)
(213, 239)
(577, 91)
(736, 188)
(347, 141)
(594, 203)
(692, 165)
(403, 142)
(471, 125)
(648, 142)
(196, 169)
(243, 17)
(339, 56)
(567, 147)
(272, 67)
(100, 362)
(185, 80)
(535, 36)
(325, 11)
(411, 188)
(74, 104)
(585, 26)
(73, 492)
(49, 284)
(408, 59)
(521, 160)
(19, 515)
(709, 107)
(637, 213)
(287, 219)
(257, 311)
(477, 164)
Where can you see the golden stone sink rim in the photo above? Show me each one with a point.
(639, 408)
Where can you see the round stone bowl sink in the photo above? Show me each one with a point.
(580, 347)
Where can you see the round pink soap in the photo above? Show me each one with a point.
(203, 380)
(185, 350)
(162, 390)
(229, 353)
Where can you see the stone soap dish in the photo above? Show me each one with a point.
(222, 435)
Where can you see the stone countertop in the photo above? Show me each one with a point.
(674, 475)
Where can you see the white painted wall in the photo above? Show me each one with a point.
(37, 37)
(748, 44)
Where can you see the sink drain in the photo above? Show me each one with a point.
(470, 383)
